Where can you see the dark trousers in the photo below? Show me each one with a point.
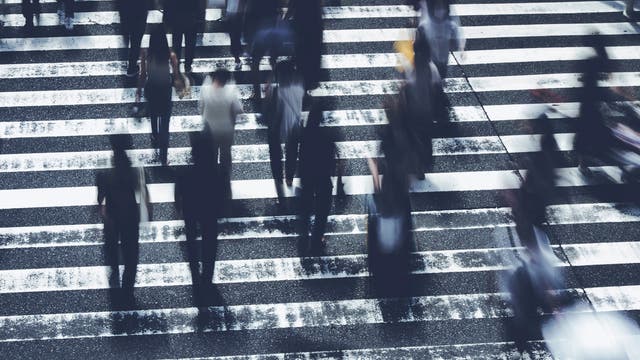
(235, 33)
(69, 7)
(209, 248)
(133, 27)
(315, 199)
(189, 33)
(222, 147)
(275, 158)
(30, 7)
(160, 132)
(291, 150)
(122, 236)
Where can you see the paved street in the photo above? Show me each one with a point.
(62, 93)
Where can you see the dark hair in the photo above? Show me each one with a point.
(433, 4)
(158, 45)
(120, 143)
(222, 76)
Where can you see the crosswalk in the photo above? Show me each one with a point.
(62, 93)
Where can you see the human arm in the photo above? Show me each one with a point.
(373, 168)
(142, 77)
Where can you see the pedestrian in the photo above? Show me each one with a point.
(317, 165)
(66, 12)
(219, 106)
(629, 12)
(290, 96)
(197, 199)
(117, 189)
(157, 79)
(133, 20)
(234, 18)
(259, 14)
(442, 32)
(182, 17)
(308, 28)
(29, 9)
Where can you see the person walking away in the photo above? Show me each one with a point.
(317, 165)
(120, 213)
(197, 199)
(219, 106)
(308, 28)
(182, 17)
(133, 20)
(66, 12)
(290, 95)
(157, 80)
(29, 9)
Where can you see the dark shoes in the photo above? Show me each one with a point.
(133, 70)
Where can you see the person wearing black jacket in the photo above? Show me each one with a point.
(120, 212)
(133, 19)
(317, 165)
(183, 18)
(198, 192)
(308, 27)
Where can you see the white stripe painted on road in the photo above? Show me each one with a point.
(259, 189)
(502, 56)
(330, 36)
(284, 226)
(298, 269)
(284, 315)
(326, 89)
(89, 160)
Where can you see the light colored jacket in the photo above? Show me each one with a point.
(443, 36)
(219, 107)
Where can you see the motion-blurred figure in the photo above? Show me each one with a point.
(389, 226)
(117, 189)
(317, 165)
(308, 28)
(629, 12)
(234, 17)
(66, 12)
(290, 96)
(197, 198)
(220, 105)
(442, 32)
(133, 20)
(29, 9)
(182, 18)
(157, 79)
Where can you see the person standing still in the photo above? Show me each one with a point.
(30, 8)
(182, 17)
(133, 19)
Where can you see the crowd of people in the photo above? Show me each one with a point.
(258, 29)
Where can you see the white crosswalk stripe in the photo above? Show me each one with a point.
(63, 93)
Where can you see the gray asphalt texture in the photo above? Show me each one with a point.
(329, 339)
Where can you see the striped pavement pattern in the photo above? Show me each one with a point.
(62, 94)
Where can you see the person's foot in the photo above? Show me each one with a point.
(133, 70)
(28, 25)
(187, 69)
(238, 66)
(289, 182)
(68, 23)
(630, 14)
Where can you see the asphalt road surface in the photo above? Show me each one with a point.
(62, 93)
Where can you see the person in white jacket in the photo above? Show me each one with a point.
(442, 31)
(220, 105)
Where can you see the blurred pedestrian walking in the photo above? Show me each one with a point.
(442, 32)
(66, 13)
(29, 9)
(157, 79)
(118, 188)
(308, 28)
(290, 96)
(234, 21)
(317, 165)
(219, 106)
(133, 20)
(629, 12)
(197, 199)
(182, 18)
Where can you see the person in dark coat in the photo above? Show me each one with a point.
(133, 20)
(197, 197)
(308, 28)
(120, 212)
(30, 8)
(182, 17)
(317, 165)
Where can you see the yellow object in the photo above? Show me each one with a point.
(405, 50)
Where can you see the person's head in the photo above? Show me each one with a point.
(120, 143)
(221, 77)
(285, 72)
(439, 9)
(158, 44)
